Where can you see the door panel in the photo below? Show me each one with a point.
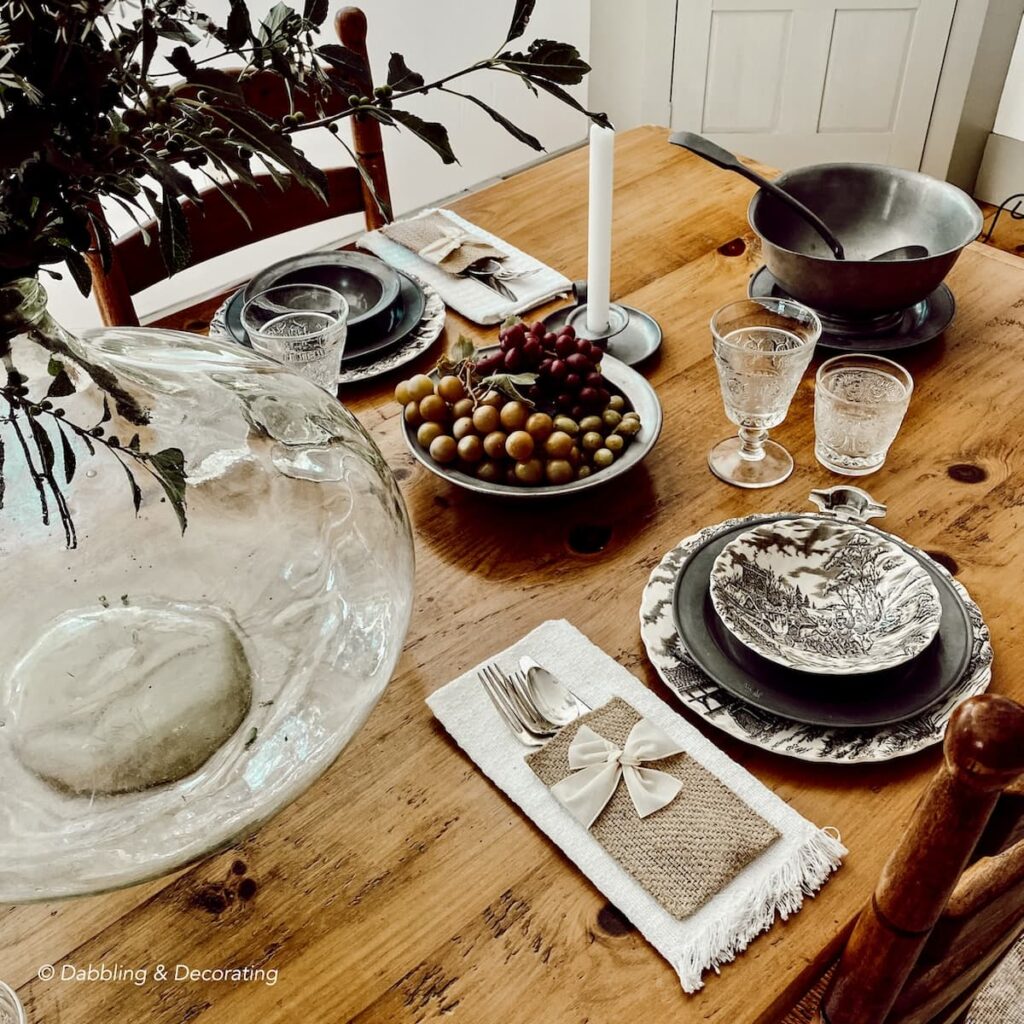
(746, 59)
(866, 47)
(808, 81)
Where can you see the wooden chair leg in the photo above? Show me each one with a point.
(984, 753)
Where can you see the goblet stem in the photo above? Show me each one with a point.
(752, 446)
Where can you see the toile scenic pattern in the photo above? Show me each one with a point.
(736, 718)
(824, 597)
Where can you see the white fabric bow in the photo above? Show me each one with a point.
(586, 792)
(452, 237)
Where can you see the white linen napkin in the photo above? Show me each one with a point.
(468, 296)
(774, 884)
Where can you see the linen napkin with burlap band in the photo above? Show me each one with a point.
(440, 241)
(683, 840)
(683, 853)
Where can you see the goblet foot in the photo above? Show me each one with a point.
(727, 463)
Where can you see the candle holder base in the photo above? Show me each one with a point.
(632, 335)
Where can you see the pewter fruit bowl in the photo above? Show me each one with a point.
(624, 380)
(825, 597)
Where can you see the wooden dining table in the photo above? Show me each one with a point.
(403, 886)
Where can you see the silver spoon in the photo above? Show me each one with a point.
(486, 271)
(555, 701)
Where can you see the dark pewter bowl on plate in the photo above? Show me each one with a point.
(368, 284)
(872, 209)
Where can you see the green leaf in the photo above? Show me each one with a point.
(348, 65)
(104, 240)
(174, 243)
(171, 28)
(149, 41)
(570, 100)
(400, 77)
(68, 453)
(61, 386)
(524, 379)
(549, 60)
(239, 27)
(134, 485)
(44, 444)
(384, 207)
(181, 60)
(514, 130)
(520, 19)
(462, 349)
(79, 270)
(509, 384)
(169, 467)
(174, 182)
(276, 25)
(432, 133)
(264, 141)
(315, 11)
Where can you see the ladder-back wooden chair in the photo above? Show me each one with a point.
(933, 931)
(216, 228)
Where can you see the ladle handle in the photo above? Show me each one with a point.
(720, 157)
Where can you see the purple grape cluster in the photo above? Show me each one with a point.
(568, 368)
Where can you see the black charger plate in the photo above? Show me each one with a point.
(868, 700)
(403, 317)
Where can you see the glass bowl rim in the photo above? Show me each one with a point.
(781, 306)
(902, 374)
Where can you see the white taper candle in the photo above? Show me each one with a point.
(599, 240)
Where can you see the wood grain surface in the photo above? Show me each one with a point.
(403, 887)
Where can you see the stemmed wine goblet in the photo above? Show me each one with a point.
(762, 348)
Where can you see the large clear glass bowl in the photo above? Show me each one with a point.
(165, 692)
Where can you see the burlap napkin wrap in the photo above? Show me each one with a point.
(684, 853)
(441, 241)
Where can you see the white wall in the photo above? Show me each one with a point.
(631, 51)
(1010, 116)
(435, 37)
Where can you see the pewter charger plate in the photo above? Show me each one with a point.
(870, 700)
(823, 596)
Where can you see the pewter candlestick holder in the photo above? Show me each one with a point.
(631, 335)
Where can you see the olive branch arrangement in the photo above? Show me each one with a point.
(84, 116)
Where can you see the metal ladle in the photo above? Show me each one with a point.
(708, 150)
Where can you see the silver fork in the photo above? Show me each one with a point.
(521, 720)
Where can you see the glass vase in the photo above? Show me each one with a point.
(208, 570)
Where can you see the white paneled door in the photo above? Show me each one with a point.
(794, 82)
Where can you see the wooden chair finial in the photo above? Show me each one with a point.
(984, 742)
(350, 24)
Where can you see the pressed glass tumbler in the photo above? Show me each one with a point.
(859, 404)
(303, 326)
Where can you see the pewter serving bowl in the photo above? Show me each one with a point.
(872, 209)
(624, 380)
(825, 597)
